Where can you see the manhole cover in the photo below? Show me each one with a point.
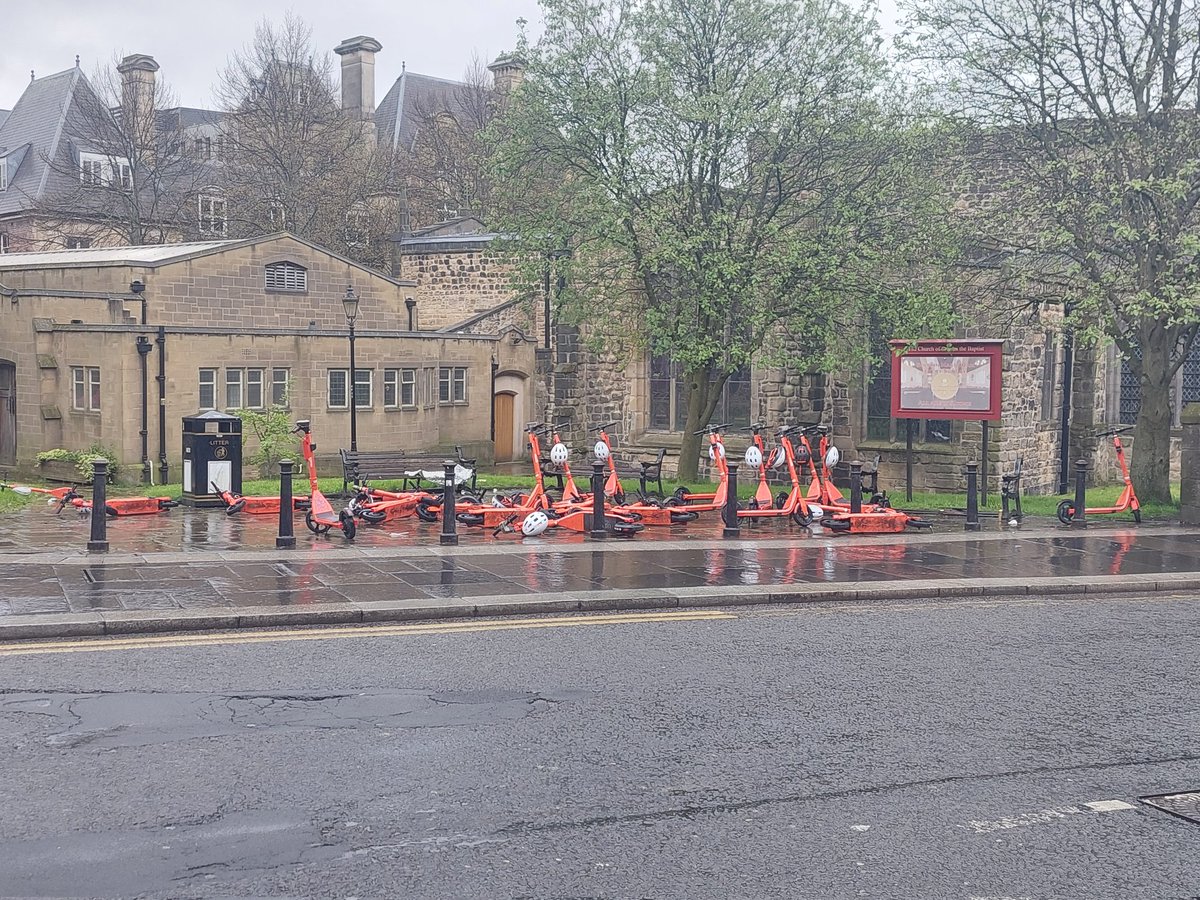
(1185, 806)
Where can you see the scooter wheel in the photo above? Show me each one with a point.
(781, 499)
(683, 516)
(626, 529)
(167, 504)
(681, 493)
(619, 498)
(425, 513)
(836, 524)
(1137, 517)
(881, 500)
(1066, 512)
(752, 503)
(313, 525)
(111, 511)
(801, 519)
(470, 518)
(349, 529)
(372, 516)
(236, 506)
(671, 502)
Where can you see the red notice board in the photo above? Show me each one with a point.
(947, 379)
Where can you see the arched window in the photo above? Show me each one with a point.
(286, 276)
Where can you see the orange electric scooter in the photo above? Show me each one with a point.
(502, 506)
(1127, 500)
(871, 518)
(762, 497)
(255, 506)
(791, 504)
(320, 517)
(703, 502)
(119, 506)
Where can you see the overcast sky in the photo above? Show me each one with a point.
(192, 41)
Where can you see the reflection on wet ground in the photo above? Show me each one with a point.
(482, 566)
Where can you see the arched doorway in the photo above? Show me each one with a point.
(8, 413)
(508, 408)
(503, 404)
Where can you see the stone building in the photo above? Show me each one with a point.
(235, 325)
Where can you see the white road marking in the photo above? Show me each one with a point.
(1108, 805)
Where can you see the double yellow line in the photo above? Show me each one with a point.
(151, 642)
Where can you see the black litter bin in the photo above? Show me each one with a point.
(212, 454)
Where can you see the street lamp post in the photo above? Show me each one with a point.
(350, 303)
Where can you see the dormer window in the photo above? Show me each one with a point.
(212, 214)
(287, 276)
(91, 171)
(3, 174)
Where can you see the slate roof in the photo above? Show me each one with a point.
(412, 96)
(33, 132)
(4, 115)
(147, 254)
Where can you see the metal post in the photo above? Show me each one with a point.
(908, 459)
(972, 523)
(99, 536)
(143, 348)
(730, 513)
(286, 539)
(599, 530)
(983, 455)
(449, 515)
(855, 487)
(163, 471)
(353, 395)
(1080, 518)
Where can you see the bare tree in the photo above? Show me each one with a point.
(1090, 110)
(293, 160)
(125, 173)
(445, 171)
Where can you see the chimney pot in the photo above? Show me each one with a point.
(358, 75)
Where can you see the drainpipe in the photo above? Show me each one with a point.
(495, 366)
(143, 347)
(411, 304)
(161, 340)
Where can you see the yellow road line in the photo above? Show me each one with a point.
(150, 642)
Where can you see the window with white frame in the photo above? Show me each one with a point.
(3, 174)
(363, 383)
(280, 378)
(213, 218)
(77, 243)
(123, 173)
(363, 388)
(91, 170)
(85, 388)
(452, 385)
(400, 388)
(277, 215)
(391, 388)
(203, 148)
(286, 276)
(208, 389)
(408, 388)
(244, 388)
(3, 242)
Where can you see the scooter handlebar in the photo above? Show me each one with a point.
(1115, 431)
(605, 427)
(713, 429)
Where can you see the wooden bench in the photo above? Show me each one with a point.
(360, 466)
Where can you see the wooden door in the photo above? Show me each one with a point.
(502, 404)
(8, 414)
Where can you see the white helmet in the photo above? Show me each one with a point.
(559, 453)
(535, 523)
(833, 456)
(712, 453)
(601, 451)
(778, 458)
(753, 456)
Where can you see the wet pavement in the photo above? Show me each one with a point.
(192, 560)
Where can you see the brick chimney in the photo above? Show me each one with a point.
(508, 71)
(137, 87)
(358, 76)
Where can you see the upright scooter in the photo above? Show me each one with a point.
(1127, 500)
(791, 504)
(320, 517)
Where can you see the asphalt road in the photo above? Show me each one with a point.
(909, 750)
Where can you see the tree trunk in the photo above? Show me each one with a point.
(1151, 459)
(703, 393)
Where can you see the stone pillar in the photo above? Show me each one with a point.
(1189, 489)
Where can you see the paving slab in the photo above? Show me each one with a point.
(205, 580)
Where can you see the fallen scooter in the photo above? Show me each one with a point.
(255, 506)
(118, 506)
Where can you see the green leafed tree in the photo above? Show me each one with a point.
(1091, 111)
(731, 179)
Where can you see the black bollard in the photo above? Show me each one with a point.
(99, 537)
(449, 516)
(730, 513)
(286, 539)
(599, 530)
(1080, 517)
(855, 487)
(972, 523)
